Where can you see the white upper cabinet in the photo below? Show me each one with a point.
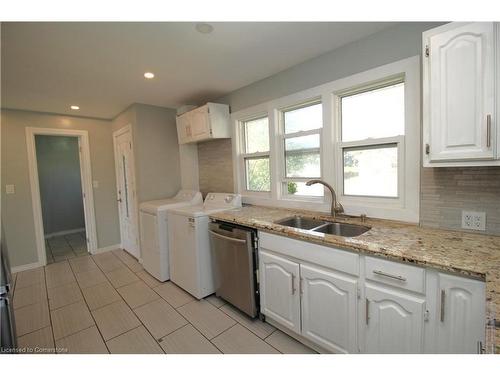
(459, 102)
(207, 122)
(184, 129)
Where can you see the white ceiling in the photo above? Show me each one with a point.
(99, 66)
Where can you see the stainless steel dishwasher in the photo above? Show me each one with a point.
(234, 258)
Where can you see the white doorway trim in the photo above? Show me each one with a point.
(134, 203)
(87, 190)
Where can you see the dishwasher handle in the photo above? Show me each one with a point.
(226, 237)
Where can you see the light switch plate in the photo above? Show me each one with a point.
(95, 184)
(10, 189)
(474, 220)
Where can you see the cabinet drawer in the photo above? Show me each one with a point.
(328, 257)
(396, 274)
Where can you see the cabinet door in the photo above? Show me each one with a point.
(461, 313)
(184, 128)
(329, 309)
(279, 294)
(459, 92)
(200, 122)
(394, 321)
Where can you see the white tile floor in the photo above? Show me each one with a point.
(107, 303)
(65, 247)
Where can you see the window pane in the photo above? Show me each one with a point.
(373, 114)
(303, 164)
(300, 188)
(257, 135)
(371, 171)
(302, 119)
(258, 177)
(302, 156)
(305, 142)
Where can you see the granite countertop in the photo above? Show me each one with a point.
(468, 254)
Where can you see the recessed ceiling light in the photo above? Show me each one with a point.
(75, 107)
(149, 75)
(204, 28)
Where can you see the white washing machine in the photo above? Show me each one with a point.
(154, 230)
(189, 242)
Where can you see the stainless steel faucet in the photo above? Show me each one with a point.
(336, 206)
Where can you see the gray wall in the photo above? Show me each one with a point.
(157, 156)
(60, 183)
(156, 149)
(17, 213)
(389, 45)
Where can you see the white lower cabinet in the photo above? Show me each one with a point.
(461, 315)
(346, 303)
(318, 304)
(329, 308)
(394, 321)
(279, 295)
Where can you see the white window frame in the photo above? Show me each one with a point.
(253, 155)
(399, 141)
(240, 154)
(404, 208)
(283, 137)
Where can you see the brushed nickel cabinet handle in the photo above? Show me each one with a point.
(396, 277)
(293, 284)
(443, 295)
(488, 131)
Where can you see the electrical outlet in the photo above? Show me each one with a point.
(474, 220)
(10, 189)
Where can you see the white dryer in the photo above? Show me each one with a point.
(189, 242)
(154, 231)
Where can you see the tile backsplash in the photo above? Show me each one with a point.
(445, 192)
(215, 163)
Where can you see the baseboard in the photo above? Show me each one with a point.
(25, 267)
(64, 232)
(106, 248)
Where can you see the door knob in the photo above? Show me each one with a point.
(119, 200)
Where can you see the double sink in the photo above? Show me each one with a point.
(326, 227)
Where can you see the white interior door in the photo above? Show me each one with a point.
(125, 181)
